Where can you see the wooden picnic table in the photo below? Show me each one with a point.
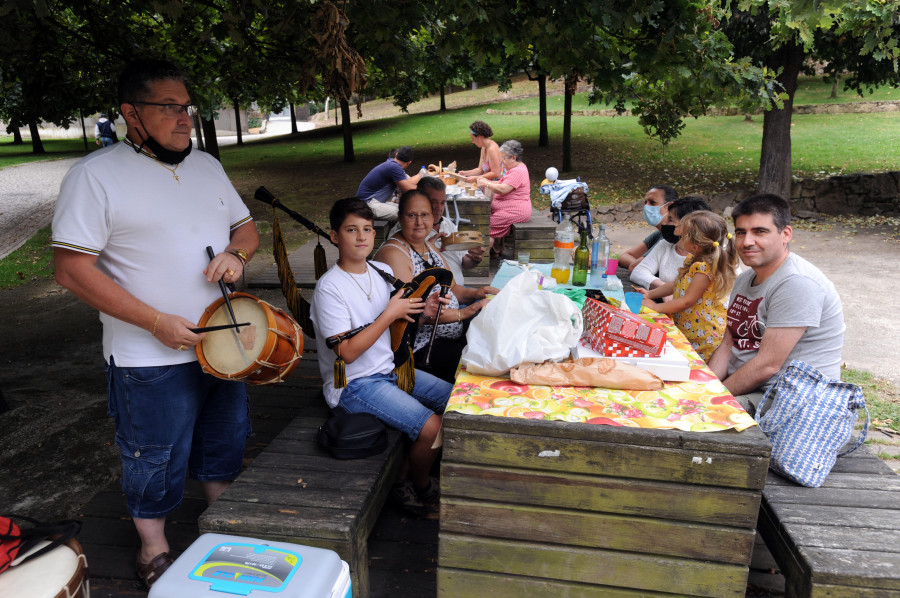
(549, 507)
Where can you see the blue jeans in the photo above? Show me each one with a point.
(380, 396)
(106, 141)
(171, 419)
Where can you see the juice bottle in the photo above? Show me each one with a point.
(563, 247)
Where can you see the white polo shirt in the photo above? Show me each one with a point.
(150, 233)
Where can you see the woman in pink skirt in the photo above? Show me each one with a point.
(510, 196)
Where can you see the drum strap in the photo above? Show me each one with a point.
(15, 540)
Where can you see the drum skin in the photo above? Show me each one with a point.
(60, 573)
(265, 352)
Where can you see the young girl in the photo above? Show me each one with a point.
(700, 291)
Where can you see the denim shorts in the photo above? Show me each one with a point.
(171, 419)
(380, 396)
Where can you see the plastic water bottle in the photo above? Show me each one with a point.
(423, 172)
(600, 251)
(563, 249)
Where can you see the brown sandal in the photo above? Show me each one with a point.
(150, 572)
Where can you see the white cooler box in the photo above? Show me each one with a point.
(219, 566)
(671, 365)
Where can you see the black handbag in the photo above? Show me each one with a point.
(353, 436)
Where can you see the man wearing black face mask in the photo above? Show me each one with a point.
(130, 232)
(662, 263)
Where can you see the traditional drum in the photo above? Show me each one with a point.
(462, 240)
(60, 573)
(265, 352)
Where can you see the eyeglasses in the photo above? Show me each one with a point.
(505, 158)
(412, 216)
(172, 110)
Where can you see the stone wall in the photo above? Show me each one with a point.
(848, 194)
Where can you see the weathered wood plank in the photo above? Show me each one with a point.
(297, 496)
(268, 521)
(830, 591)
(836, 497)
(858, 481)
(569, 527)
(326, 479)
(856, 517)
(702, 504)
(849, 538)
(750, 442)
(692, 466)
(592, 566)
(871, 568)
(453, 583)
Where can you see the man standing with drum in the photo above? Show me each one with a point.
(130, 232)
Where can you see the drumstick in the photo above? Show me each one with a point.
(237, 338)
(214, 328)
(437, 317)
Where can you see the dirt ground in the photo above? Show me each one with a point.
(56, 443)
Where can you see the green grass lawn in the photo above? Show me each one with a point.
(10, 154)
(29, 262)
(882, 398)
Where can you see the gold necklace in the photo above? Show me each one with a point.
(353, 278)
(169, 168)
(155, 159)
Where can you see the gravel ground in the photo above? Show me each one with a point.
(27, 198)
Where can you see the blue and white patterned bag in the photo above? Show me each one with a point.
(810, 418)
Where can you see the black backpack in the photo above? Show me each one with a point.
(353, 436)
(106, 129)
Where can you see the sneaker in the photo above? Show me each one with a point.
(404, 494)
(430, 497)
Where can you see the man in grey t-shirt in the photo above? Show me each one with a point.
(782, 309)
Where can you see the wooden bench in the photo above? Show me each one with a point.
(535, 237)
(842, 539)
(296, 492)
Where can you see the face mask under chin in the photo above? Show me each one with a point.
(166, 155)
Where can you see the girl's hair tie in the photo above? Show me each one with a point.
(729, 236)
(715, 243)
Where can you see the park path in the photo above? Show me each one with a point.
(27, 198)
(28, 191)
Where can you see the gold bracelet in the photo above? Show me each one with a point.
(155, 322)
(240, 254)
(458, 316)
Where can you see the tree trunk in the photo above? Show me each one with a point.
(37, 147)
(775, 157)
(237, 120)
(17, 136)
(443, 101)
(571, 82)
(83, 132)
(209, 132)
(293, 119)
(834, 87)
(198, 129)
(544, 139)
(348, 133)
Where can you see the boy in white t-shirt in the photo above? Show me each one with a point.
(352, 294)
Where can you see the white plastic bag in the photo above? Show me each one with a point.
(522, 324)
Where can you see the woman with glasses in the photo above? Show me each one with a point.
(510, 196)
(489, 159)
(408, 253)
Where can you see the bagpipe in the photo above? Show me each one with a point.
(403, 332)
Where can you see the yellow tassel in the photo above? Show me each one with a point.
(340, 369)
(406, 373)
(319, 264)
(296, 303)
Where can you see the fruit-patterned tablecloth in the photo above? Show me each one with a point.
(701, 404)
